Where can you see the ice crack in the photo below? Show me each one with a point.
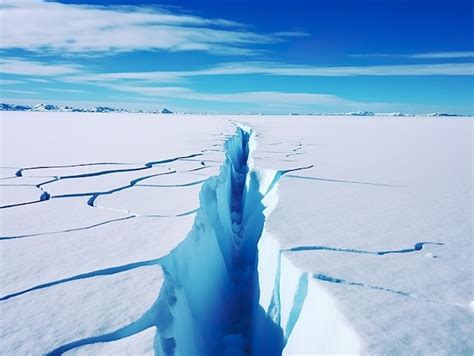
(209, 301)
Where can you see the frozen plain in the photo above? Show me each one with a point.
(378, 224)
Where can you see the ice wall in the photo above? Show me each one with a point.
(210, 301)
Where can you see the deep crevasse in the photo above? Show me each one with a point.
(210, 301)
(229, 289)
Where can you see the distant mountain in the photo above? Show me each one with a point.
(106, 109)
(390, 114)
(443, 114)
(369, 113)
(13, 107)
(360, 113)
(47, 107)
(56, 108)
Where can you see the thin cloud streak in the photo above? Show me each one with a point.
(61, 90)
(78, 74)
(429, 55)
(18, 91)
(259, 98)
(10, 81)
(445, 55)
(272, 68)
(152, 84)
(20, 66)
(279, 69)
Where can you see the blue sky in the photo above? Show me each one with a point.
(239, 56)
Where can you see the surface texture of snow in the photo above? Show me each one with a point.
(368, 249)
(377, 189)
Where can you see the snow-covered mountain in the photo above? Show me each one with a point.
(106, 109)
(13, 107)
(56, 108)
(360, 113)
(47, 107)
(390, 114)
(442, 114)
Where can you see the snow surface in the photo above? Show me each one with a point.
(367, 249)
(381, 185)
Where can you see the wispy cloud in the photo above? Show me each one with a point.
(39, 80)
(428, 55)
(20, 66)
(280, 69)
(268, 101)
(75, 74)
(169, 84)
(254, 97)
(157, 83)
(445, 55)
(19, 91)
(271, 68)
(9, 81)
(41, 26)
(61, 90)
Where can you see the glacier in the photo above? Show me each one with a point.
(187, 235)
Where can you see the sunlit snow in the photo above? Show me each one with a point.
(179, 234)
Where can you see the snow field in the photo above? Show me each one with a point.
(367, 249)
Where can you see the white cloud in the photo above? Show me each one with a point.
(254, 97)
(77, 74)
(279, 69)
(20, 66)
(61, 90)
(268, 101)
(41, 26)
(9, 81)
(291, 34)
(18, 91)
(270, 68)
(444, 55)
(429, 55)
(39, 80)
(150, 84)
(153, 76)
